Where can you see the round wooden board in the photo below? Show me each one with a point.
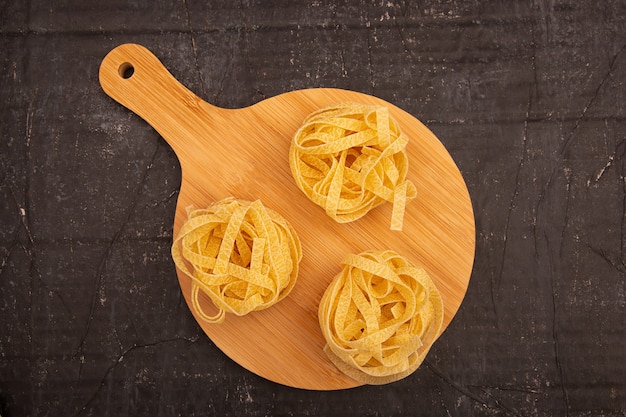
(243, 153)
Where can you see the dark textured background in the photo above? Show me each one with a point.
(528, 97)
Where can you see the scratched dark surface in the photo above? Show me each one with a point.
(528, 97)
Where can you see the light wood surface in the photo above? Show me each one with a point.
(244, 153)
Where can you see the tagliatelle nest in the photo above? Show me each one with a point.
(350, 158)
(243, 255)
(380, 316)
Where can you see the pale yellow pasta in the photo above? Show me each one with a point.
(380, 315)
(243, 255)
(350, 158)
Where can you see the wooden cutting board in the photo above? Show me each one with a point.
(243, 153)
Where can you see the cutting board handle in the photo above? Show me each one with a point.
(134, 77)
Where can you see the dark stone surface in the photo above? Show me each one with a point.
(528, 97)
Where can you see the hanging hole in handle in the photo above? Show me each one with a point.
(126, 70)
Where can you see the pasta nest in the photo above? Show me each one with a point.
(350, 158)
(380, 316)
(243, 255)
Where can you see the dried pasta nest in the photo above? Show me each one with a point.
(350, 158)
(380, 316)
(243, 255)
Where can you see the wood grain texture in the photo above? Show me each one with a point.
(244, 153)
